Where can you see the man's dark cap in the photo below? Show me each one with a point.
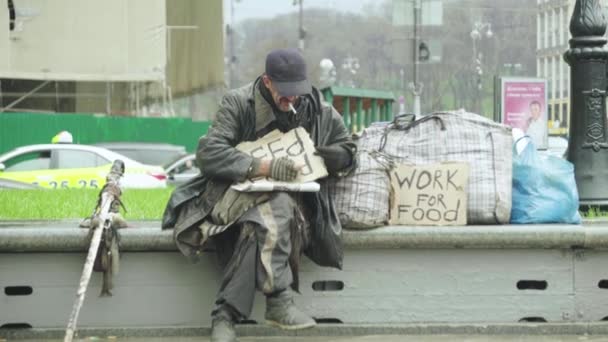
(287, 71)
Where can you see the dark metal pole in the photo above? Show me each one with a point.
(588, 145)
(416, 86)
(301, 32)
(232, 59)
(415, 43)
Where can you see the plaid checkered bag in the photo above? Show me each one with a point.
(362, 198)
(460, 137)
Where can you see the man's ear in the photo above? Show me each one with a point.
(266, 81)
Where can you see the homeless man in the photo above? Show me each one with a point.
(259, 237)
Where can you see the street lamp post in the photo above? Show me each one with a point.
(480, 30)
(416, 86)
(301, 29)
(232, 59)
(588, 143)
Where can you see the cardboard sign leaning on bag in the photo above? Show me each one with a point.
(433, 194)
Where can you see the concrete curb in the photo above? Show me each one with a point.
(334, 330)
(64, 236)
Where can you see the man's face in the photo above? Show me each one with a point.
(535, 111)
(282, 102)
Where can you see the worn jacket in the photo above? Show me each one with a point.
(244, 115)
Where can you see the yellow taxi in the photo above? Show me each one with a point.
(61, 166)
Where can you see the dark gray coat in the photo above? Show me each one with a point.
(244, 115)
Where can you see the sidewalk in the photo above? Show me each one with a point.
(525, 332)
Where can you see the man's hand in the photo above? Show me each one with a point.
(335, 156)
(284, 169)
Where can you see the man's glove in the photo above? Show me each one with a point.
(335, 156)
(283, 169)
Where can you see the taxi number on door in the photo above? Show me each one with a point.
(64, 184)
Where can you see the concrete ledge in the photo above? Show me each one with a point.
(328, 330)
(65, 236)
(498, 236)
(395, 280)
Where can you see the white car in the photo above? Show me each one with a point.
(182, 169)
(59, 166)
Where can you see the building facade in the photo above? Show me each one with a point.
(156, 58)
(553, 34)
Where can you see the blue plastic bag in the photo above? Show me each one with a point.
(544, 189)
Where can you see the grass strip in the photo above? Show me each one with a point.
(141, 204)
(593, 212)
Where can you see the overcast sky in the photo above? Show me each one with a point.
(245, 9)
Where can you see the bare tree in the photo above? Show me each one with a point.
(381, 48)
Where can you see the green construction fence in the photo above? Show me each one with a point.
(360, 107)
(19, 129)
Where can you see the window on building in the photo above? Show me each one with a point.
(558, 80)
(548, 29)
(550, 76)
(554, 28)
(564, 121)
(541, 30)
(555, 76)
(566, 72)
(566, 24)
(538, 26)
(560, 27)
(550, 26)
(567, 82)
(11, 15)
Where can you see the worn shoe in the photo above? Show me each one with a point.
(282, 312)
(222, 330)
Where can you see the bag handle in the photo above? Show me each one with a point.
(396, 124)
(388, 162)
(515, 152)
(402, 121)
